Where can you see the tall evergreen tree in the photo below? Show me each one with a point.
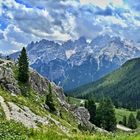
(132, 123)
(138, 115)
(105, 115)
(99, 114)
(49, 99)
(23, 67)
(124, 121)
(91, 107)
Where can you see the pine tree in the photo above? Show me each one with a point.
(110, 119)
(23, 67)
(138, 115)
(132, 123)
(105, 115)
(124, 121)
(91, 107)
(49, 99)
(99, 114)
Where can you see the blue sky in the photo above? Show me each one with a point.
(23, 21)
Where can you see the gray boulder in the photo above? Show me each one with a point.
(37, 82)
(7, 79)
(83, 117)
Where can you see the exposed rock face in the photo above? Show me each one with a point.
(83, 117)
(7, 79)
(37, 82)
(61, 97)
(82, 114)
(26, 116)
(40, 85)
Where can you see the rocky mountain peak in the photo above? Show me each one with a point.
(107, 54)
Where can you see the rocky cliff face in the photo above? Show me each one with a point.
(39, 85)
(7, 79)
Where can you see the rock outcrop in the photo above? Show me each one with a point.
(83, 117)
(7, 79)
(37, 82)
(26, 116)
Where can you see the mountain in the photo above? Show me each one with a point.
(75, 63)
(122, 86)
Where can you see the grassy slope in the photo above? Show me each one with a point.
(75, 101)
(12, 130)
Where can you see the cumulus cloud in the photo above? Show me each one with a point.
(103, 4)
(23, 21)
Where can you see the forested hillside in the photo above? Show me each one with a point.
(121, 85)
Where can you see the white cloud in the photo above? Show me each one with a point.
(99, 3)
(63, 20)
(113, 20)
(117, 3)
(104, 3)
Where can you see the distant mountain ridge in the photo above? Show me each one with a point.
(75, 63)
(122, 86)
